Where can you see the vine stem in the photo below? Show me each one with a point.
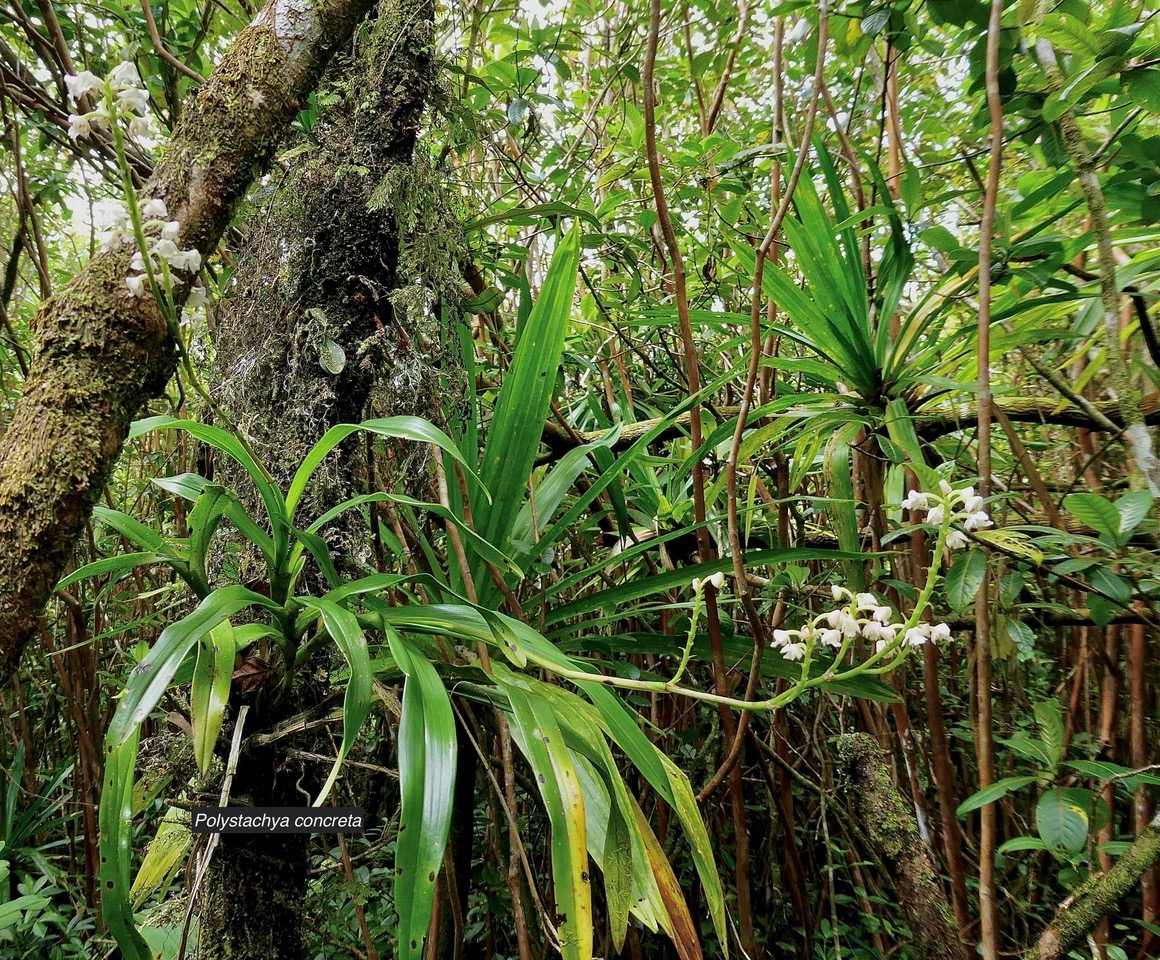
(984, 735)
(805, 681)
(755, 354)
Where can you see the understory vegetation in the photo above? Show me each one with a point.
(685, 469)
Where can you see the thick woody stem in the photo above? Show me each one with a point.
(100, 354)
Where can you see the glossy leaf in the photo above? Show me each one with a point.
(151, 677)
(344, 629)
(398, 428)
(542, 743)
(427, 750)
(211, 689)
(522, 406)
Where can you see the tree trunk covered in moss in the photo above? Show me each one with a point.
(98, 354)
(330, 320)
(891, 827)
(1098, 897)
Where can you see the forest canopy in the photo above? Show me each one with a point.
(677, 477)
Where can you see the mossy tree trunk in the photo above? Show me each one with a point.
(98, 354)
(891, 827)
(329, 321)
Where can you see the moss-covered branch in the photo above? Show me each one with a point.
(931, 423)
(1098, 898)
(892, 830)
(100, 354)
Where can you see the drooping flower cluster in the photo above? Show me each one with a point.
(965, 507)
(857, 615)
(115, 221)
(121, 96)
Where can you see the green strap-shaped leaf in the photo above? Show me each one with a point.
(585, 728)
(553, 488)
(189, 486)
(400, 428)
(538, 735)
(152, 676)
(319, 550)
(208, 511)
(617, 875)
(118, 564)
(680, 924)
(211, 689)
(471, 538)
(344, 629)
(842, 503)
(130, 528)
(166, 851)
(228, 444)
(115, 821)
(517, 421)
(427, 751)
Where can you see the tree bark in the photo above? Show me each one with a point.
(1099, 897)
(891, 827)
(100, 354)
(324, 258)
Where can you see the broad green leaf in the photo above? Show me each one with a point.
(1133, 508)
(10, 912)
(1062, 823)
(472, 539)
(427, 750)
(1143, 86)
(1094, 511)
(211, 689)
(900, 427)
(1113, 586)
(1104, 771)
(617, 597)
(1050, 721)
(998, 789)
(1016, 844)
(965, 577)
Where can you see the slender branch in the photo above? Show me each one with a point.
(984, 733)
(1129, 397)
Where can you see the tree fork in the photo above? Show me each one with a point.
(99, 354)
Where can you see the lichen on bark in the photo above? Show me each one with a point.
(892, 829)
(346, 259)
(97, 354)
